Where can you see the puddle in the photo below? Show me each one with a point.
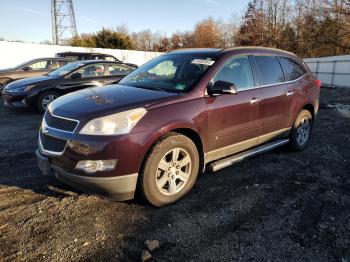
(344, 110)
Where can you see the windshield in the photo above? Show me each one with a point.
(171, 73)
(65, 69)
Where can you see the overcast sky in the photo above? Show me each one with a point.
(30, 20)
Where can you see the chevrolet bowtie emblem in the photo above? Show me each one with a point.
(100, 99)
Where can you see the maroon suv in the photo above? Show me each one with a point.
(158, 128)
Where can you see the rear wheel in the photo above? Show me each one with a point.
(170, 170)
(45, 99)
(301, 132)
(4, 82)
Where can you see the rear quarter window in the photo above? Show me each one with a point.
(269, 70)
(291, 68)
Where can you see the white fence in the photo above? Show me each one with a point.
(13, 53)
(333, 71)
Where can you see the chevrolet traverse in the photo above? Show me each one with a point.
(161, 125)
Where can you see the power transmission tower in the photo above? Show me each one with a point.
(63, 20)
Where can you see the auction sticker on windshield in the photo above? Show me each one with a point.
(202, 62)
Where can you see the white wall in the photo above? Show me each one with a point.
(13, 53)
(333, 71)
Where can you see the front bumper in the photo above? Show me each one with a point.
(118, 188)
(13, 101)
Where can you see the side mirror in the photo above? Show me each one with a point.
(222, 87)
(26, 68)
(76, 75)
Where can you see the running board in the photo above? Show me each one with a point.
(228, 161)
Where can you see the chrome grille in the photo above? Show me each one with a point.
(60, 123)
(51, 144)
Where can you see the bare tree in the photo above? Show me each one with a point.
(207, 33)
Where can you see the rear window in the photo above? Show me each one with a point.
(292, 69)
(269, 69)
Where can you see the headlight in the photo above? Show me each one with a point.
(21, 89)
(116, 124)
(28, 88)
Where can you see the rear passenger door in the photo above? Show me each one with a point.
(233, 120)
(275, 100)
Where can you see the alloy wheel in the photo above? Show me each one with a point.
(303, 131)
(47, 100)
(173, 171)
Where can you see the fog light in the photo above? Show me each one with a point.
(92, 166)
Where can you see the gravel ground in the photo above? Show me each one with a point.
(279, 206)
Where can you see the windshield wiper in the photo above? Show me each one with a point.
(145, 87)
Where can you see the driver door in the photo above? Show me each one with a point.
(91, 75)
(233, 119)
(37, 68)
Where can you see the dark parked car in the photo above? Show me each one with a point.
(39, 92)
(90, 56)
(35, 67)
(162, 124)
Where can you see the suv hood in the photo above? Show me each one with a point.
(94, 102)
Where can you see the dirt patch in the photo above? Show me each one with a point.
(344, 110)
(279, 206)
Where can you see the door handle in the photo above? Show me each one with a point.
(290, 93)
(254, 100)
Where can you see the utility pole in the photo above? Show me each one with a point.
(63, 20)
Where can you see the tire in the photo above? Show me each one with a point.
(4, 82)
(44, 98)
(300, 136)
(162, 181)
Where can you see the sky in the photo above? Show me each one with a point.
(30, 20)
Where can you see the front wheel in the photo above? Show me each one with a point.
(45, 99)
(301, 132)
(4, 82)
(170, 170)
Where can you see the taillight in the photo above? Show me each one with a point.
(318, 83)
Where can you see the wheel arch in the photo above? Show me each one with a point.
(50, 89)
(197, 140)
(6, 77)
(183, 130)
(310, 107)
(9, 79)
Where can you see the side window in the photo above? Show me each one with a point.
(50, 64)
(94, 70)
(40, 65)
(60, 63)
(237, 71)
(115, 70)
(72, 57)
(291, 69)
(269, 69)
(110, 58)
